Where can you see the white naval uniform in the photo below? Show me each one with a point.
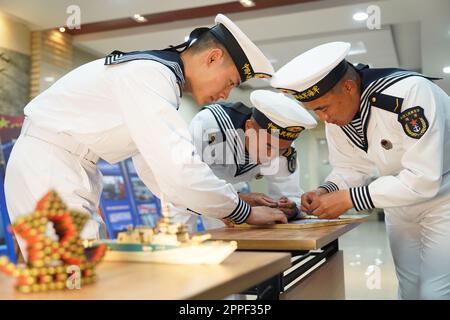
(413, 180)
(113, 112)
(219, 129)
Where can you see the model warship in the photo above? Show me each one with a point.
(166, 243)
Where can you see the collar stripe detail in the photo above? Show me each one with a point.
(356, 130)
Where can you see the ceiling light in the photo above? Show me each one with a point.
(62, 29)
(446, 69)
(360, 16)
(247, 3)
(138, 18)
(49, 79)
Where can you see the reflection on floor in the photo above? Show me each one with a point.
(368, 266)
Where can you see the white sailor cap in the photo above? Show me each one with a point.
(313, 73)
(275, 111)
(248, 59)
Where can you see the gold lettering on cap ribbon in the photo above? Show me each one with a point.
(247, 71)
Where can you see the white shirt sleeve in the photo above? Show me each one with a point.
(145, 174)
(201, 127)
(422, 161)
(146, 94)
(284, 183)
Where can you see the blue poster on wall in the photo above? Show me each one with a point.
(115, 203)
(10, 127)
(147, 204)
(6, 240)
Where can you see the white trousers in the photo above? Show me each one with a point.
(35, 167)
(419, 237)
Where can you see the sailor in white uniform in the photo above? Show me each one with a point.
(240, 144)
(388, 132)
(126, 106)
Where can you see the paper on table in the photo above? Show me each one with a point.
(310, 222)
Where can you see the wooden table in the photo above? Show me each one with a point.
(118, 280)
(282, 239)
(309, 247)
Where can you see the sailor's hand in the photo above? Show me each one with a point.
(288, 207)
(310, 197)
(331, 205)
(228, 222)
(266, 215)
(258, 199)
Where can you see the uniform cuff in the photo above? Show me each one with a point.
(361, 198)
(329, 186)
(241, 213)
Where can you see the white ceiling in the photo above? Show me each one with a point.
(46, 14)
(414, 34)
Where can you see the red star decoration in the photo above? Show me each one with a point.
(44, 253)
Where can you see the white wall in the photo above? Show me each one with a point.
(14, 35)
(80, 57)
(14, 65)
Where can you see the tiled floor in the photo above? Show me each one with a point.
(368, 266)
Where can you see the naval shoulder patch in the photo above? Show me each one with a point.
(386, 102)
(291, 156)
(414, 122)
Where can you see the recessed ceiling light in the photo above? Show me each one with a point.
(247, 3)
(62, 29)
(138, 18)
(360, 16)
(446, 69)
(49, 79)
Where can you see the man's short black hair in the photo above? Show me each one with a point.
(350, 74)
(206, 41)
